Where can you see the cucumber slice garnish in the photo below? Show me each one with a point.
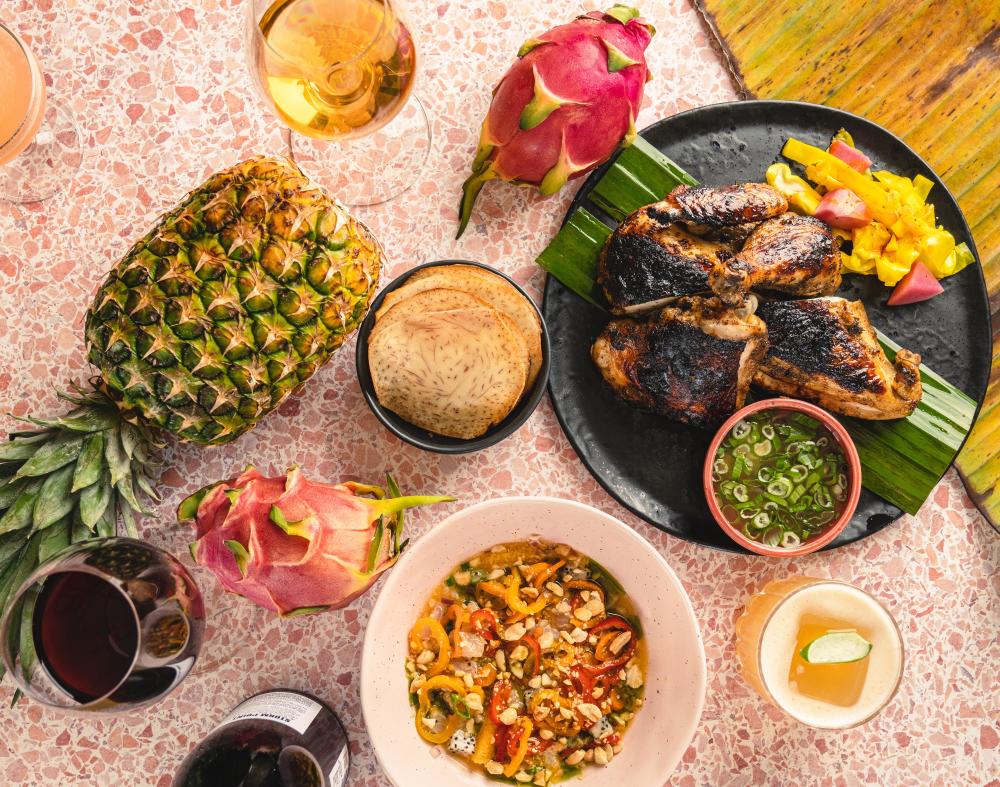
(836, 647)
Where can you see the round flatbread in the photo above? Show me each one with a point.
(447, 362)
(488, 286)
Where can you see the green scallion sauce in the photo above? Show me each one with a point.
(780, 478)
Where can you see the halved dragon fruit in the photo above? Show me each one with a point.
(565, 105)
(297, 546)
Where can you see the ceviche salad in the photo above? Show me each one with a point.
(528, 663)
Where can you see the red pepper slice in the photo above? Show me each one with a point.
(484, 623)
(500, 742)
(613, 664)
(583, 682)
(536, 653)
(612, 622)
(499, 701)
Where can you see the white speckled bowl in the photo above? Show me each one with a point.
(675, 686)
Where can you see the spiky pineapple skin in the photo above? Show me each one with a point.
(231, 302)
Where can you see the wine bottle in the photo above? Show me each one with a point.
(279, 738)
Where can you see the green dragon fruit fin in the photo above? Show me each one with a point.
(301, 528)
(528, 45)
(623, 13)
(193, 549)
(632, 132)
(188, 508)
(392, 505)
(617, 60)
(375, 548)
(300, 611)
(233, 495)
(241, 555)
(365, 489)
(543, 104)
(561, 172)
(470, 191)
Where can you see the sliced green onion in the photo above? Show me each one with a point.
(740, 493)
(720, 466)
(798, 472)
(765, 474)
(761, 520)
(779, 487)
(762, 448)
(771, 537)
(789, 539)
(768, 431)
(741, 429)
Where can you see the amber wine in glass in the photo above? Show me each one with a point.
(39, 144)
(339, 73)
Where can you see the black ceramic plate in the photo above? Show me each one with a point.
(653, 466)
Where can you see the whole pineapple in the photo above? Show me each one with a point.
(231, 302)
(226, 307)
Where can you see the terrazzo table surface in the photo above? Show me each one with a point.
(162, 96)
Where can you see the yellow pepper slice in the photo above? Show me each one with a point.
(516, 603)
(889, 270)
(800, 195)
(831, 172)
(441, 683)
(483, 752)
(514, 765)
(853, 264)
(936, 249)
(428, 628)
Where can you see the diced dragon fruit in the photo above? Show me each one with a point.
(601, 729)
(462, 743)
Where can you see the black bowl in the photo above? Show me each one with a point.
(429, 441)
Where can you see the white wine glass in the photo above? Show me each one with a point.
(340, 75)
(39, 143)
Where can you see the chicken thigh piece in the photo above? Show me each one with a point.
(825, 350)
(692, 361)
(647, 261)
(793, 254)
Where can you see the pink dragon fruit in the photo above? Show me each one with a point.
(293, 545)
(564, 106)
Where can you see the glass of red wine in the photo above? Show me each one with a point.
(105, 626)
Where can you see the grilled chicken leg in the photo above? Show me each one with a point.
(793, 254)
(647, 261)
(825, 350)
(712, 207)
(692, 361)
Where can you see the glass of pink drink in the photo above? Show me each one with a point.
(39, 143)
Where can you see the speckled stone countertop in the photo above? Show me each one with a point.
(162, 95)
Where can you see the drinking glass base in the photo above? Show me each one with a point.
(48, 164)
(372, 169)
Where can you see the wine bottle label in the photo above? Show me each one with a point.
(338, 775)
(284, 707)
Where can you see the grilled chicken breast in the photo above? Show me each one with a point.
(825, 350)
(648, 260)
(722, 206)
(691, 361)
(793, 254)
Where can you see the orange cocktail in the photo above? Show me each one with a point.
(795, 618)
(22, 96)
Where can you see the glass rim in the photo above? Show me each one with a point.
(895, 627)
(259, 36)
(45, 571)
(36, 80)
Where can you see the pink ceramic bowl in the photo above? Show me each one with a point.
(675, 675)
(853, 476)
